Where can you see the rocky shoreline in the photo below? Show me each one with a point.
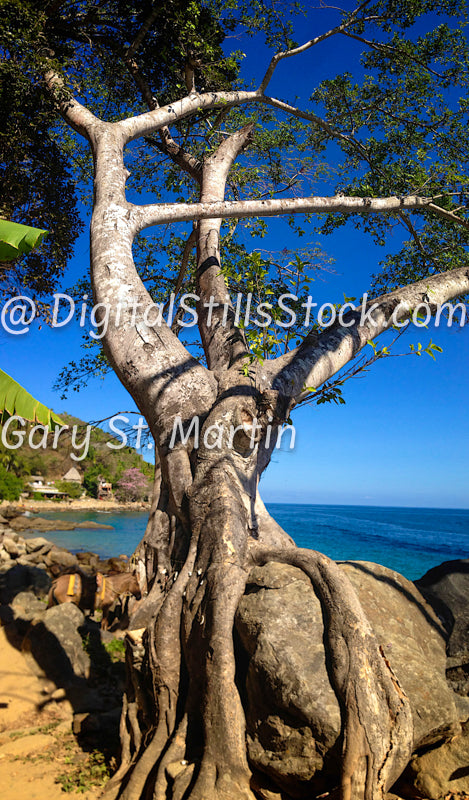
(292, 717)
(84, 504)
(79, 668)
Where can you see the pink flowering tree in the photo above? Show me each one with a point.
(132, 486)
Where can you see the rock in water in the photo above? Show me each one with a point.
(90, 525)
(293, 719)
(40, 524)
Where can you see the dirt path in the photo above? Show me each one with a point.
(36, 744)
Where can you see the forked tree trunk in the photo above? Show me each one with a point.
(183, 724)
(183, 729)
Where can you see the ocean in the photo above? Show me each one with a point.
(408, 540)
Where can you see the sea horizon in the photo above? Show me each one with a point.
(367, 505)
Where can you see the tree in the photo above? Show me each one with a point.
(10, 486)
(132, 486)
(92, 477)
(396, 132)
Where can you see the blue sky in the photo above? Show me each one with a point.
(402, 437)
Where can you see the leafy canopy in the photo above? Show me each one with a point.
(394, 123)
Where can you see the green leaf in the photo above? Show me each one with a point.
(15, 400)
(16, 240)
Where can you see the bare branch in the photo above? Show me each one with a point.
(223, 342)
(307, 45)
(145, 27)
(167, 145)
(144, 124)
(176, 153)
(163, 213)
(80, 118)
(320, 356)
(151, 121)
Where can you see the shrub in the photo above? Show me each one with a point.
(74, 490)
(10, 486)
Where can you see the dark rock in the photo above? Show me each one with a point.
(439, 772)
(56, 645)
(446, 588)
(89, 562)
(87, 557)
(107, 722)
(10, 512)
(84, 699)
(293, 719)
(15, 578)
(112, 565)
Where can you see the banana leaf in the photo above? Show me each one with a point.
(16, 239)
(15, 400)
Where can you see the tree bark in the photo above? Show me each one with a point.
(183, 724)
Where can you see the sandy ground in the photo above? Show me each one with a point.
(36, 744)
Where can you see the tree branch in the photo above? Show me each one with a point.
(223, 342)
(163, 213)
(151, 121)
(167, 145)
(321, 355)
(176, 153)
(80, 118)
(307, 45)
(380, 47)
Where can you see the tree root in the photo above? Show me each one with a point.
(376, 716)
(185, 738)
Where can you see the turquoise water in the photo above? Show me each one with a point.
(409, 540)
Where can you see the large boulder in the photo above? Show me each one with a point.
(57, 648)
(446, 588)
(293, 717)
(26, 606)
(13, 546)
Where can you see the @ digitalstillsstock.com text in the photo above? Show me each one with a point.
(19, 312)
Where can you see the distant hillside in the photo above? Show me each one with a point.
(52, 463)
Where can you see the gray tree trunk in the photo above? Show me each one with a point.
(208, 525)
